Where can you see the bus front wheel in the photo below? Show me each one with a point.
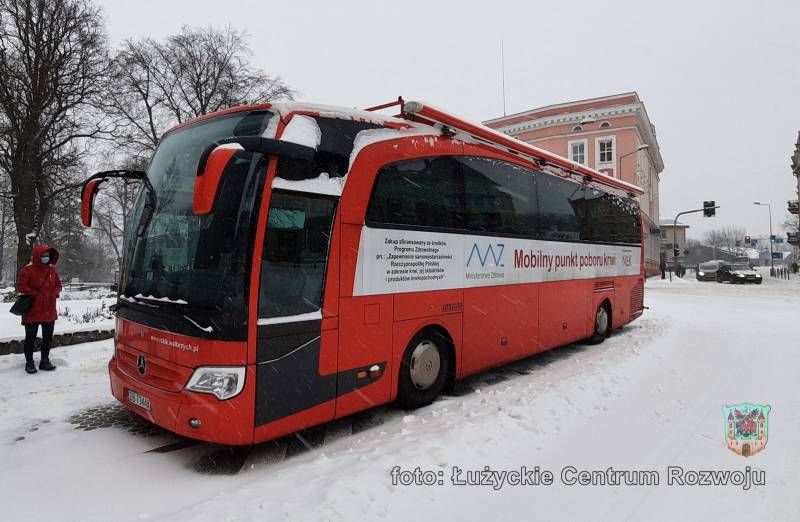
(602, 324)
(423, 370)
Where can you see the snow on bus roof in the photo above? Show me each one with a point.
(332, 111)
(303, 131)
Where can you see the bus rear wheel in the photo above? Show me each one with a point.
(423, 370)
(602, 324)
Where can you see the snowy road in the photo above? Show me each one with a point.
(648, 398)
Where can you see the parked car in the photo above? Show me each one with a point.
(708, 271)
(737, 273)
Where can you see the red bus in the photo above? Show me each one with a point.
(289, 264)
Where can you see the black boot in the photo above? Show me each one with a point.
(30, 367)
(46, 365)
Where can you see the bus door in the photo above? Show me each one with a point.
(297, 342)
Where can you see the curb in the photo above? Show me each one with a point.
(62, 339)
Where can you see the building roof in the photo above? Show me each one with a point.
(566, 108)
(671, 222)
(624, 104)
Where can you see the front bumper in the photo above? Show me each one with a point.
(222, 422)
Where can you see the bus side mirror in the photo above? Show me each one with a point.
(207, 180)
(92, 185)
(90, 189)
(216, 156)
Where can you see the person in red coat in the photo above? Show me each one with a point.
(40, 280)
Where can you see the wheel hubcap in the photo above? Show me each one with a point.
(425, 364)
(601, 321)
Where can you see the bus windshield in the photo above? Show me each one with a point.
(197, 263)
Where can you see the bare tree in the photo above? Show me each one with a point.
(791, 223)
(52, 64)
(725, 238)
(155, 85)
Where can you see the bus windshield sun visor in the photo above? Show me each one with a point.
(266, 146)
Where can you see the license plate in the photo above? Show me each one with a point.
(138, 400)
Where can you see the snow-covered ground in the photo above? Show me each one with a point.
(78, 311)
(650, 397)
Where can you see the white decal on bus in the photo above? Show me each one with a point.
(396, 261)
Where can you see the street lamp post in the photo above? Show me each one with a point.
(771, 260)
(643, 146)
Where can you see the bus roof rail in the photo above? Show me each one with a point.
(427, 114)
(398, 102)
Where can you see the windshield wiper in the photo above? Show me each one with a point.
(149, 207)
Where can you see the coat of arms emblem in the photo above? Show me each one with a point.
(746, 428)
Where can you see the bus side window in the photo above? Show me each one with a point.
(499, 196)
(424, 192)
(557, 200)
(295, 254)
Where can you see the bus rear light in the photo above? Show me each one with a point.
(375, 371)
(223, 382)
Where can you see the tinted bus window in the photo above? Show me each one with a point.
(557, 201)
(499, 197)
(423, 192)
(295, 254)
(606, 218)
(477, 194)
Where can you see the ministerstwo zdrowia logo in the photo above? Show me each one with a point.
(493, 253)
(746, 428)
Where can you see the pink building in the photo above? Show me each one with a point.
(612, 134)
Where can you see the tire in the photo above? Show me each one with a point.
(602, 324)
(758, 282)
(423, 370)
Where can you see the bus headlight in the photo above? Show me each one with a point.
(225, 382)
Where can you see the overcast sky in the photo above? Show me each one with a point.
(720, 80)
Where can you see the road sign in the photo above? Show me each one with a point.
(777, 255)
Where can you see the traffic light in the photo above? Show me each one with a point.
(708, 209)
(772, 238)
(676, 252)
(747, 239)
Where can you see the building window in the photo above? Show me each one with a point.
(577, 151)
(577, 128)
(605, 125)
(605, 150)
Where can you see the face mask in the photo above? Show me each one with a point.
(45, 260)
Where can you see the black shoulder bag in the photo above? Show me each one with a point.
(22, 305)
